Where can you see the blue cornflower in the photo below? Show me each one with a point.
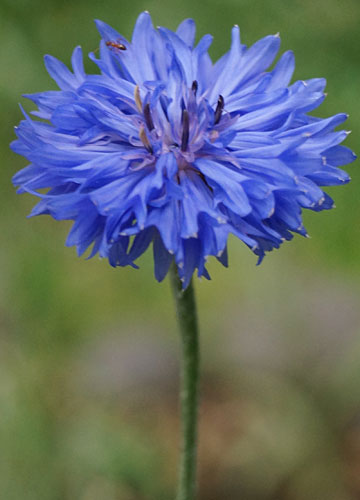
(165, 147)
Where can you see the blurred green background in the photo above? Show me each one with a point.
(89, 354)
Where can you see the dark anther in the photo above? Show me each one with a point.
(148, 118)
(194, 86)
(185, 132)
(219, 109)
(203, 178)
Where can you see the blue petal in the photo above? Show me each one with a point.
(60, 73)
(186, 31)
(78, 65)
(283, 71)
(182, 53)
(108, 33)
(232, 60)
(339, 155)
(162, 259)
(142, 47)
(253, 62)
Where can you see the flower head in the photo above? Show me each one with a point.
(165, 147)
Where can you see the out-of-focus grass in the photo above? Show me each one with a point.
(88, 412)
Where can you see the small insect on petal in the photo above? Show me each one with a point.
(115, 45)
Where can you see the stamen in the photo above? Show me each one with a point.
(219, 109)
(194, 86)
(145, 140)
(214, 135)
(185, 132)
(138, 98)
(148, 118)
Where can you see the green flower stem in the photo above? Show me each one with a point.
(186, 314)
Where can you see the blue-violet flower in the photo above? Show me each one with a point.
(165, 147)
